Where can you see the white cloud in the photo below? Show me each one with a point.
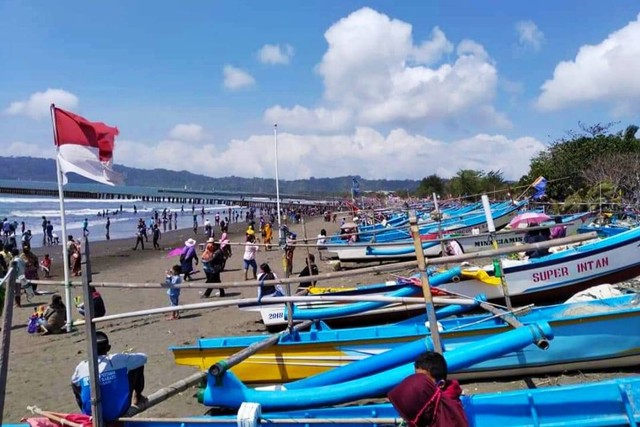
(529, 35)
(187, 132)
(275, 54)
(365, 151)
(37, 106)
(235, 78)
(605, 72)
(301, 118)
(373, 69)
(18, 148)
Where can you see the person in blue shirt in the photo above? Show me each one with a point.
(173, 281)
(121, 381)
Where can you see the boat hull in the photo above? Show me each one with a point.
(580, 330)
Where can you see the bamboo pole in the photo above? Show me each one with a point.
(166, 393)
(276, 300)
(90, 336)
(9, 284)
(424, 280)
(350, 273)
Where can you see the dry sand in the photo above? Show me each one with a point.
(40, 367)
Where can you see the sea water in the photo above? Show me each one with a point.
(31, 209)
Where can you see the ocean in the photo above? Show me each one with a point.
(123, 224)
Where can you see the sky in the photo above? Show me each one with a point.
(380, 89)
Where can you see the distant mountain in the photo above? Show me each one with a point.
(36, 169)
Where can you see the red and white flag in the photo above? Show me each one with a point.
(85, 147)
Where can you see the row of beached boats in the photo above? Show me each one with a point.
(295, 380)
(300, 377)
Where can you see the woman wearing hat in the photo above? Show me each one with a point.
(186, 257)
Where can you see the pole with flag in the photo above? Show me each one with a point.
(84, 148)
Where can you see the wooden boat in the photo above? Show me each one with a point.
(370, 377)
(556, 276)
(579, 328)
(611, 403)
(502, 214)
(274, 316)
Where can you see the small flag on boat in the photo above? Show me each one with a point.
(355, 188)
(85, 147)
(540, 185)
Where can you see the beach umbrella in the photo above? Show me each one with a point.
(524, 219)
(348, 225)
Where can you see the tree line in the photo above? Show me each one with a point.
(584, 169)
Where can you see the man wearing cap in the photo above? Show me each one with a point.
(121, 380)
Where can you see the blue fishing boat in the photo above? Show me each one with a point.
(611, 403)
(580, 328)
(370, 377)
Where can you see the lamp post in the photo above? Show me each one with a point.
(280, 231)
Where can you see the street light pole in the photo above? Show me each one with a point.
(280, 231)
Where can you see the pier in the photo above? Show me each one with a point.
(158, 195)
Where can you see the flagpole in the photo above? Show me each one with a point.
(275, 140)
(63, 221)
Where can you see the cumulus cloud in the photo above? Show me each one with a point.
(529, 35)
(235, 78)
(37, 106)
(275, 54)
(605, 72)
(187, 132)
(374, 73)
(367, 152)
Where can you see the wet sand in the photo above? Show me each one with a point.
(40, 367)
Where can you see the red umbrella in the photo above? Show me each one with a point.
(524, 219)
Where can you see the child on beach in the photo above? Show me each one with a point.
(45, 265)
(173, 280)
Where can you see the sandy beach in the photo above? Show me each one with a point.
(40, 367)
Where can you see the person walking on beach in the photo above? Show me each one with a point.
(214, 265)
(139, 240)
(44, 230)
(108, 226)
(195, 223)
(156, 236)
(187, 257)
(173, 280)
(121, 381)
(249, 257)
(73, 248)
(267, 232)
(49, 232)
(289, 248)
(85, 227)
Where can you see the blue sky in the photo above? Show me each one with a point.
(381, 89)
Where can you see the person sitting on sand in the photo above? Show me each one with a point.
(54, 317)
(427, 398)
(121, 381)
(99, 308)
(268, 290)
(311, 269)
